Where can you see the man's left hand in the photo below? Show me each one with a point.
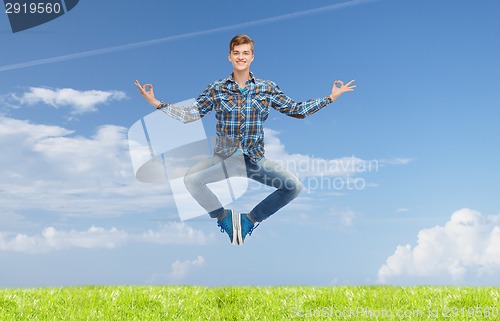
(339, 88)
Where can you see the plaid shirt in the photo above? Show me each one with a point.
(241, 114)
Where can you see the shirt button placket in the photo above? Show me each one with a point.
(241, 119)
(243, 125)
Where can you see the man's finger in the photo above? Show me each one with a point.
(350, 82)
(141, 89)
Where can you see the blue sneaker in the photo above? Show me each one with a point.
(247, 228)
(228, 225)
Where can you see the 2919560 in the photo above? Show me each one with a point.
(33, 8)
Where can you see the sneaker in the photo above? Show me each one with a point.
(247, 228)
(230, 225)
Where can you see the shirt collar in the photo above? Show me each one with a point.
(231, 79)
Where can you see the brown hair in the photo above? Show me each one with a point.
(240, 40)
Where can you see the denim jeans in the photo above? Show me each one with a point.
(265, 171)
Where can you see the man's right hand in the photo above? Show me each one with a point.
(148, 94)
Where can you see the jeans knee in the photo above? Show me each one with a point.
(190, 181)
(298, 188)
(293, 186)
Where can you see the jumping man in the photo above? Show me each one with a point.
(241, 103)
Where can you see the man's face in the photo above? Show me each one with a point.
(241, 57)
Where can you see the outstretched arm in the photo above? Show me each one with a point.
(286, 105)
(339, 88)
(185, 114)
(148, 94)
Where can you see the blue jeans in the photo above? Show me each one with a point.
(265, 171)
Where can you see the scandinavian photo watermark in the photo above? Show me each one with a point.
(333, 175)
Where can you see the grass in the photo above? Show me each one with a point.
(250, 303)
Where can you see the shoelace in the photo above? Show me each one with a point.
(253, 228)
(221, 228)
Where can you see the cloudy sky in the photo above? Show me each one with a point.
(399, 176)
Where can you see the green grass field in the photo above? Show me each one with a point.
(250, 303)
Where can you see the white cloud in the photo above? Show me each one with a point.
(181, 268)
(175, 233)
(345, 216)
(51, 239)
(310, 166)
(465, 249)
(14, 221)
(47, 168)
(13, 128)
(80, 102)
(338, 175)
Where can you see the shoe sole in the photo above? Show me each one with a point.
(237, 238)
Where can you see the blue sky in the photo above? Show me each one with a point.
(425, 110)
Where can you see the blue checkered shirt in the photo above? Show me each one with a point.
(241, 114)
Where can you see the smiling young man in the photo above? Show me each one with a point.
(241, 103)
